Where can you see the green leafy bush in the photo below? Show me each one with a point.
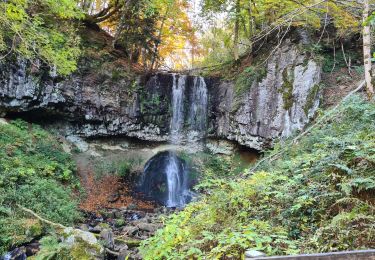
(316, 197)
(35, 173)
(210, 170)
(41, 30)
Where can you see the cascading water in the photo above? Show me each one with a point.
(175, 184)
(166, 176)
(177, 121)
(165, 179)
(198, 110)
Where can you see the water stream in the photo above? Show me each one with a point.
(197, 120)
(166, 176)
(177, 121)
(165, 179)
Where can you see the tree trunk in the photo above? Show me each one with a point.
(236, 31)
(251, 25)
(367, 50)
(155, 54)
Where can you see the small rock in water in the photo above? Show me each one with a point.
(99, 228)
(32, 249)
(124, 254)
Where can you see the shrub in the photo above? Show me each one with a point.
(315, 197)
(34, 172)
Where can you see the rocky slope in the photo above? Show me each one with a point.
(102, 99)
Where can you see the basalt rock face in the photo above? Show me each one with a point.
(91, 105)
(283, 101)
(106, 104)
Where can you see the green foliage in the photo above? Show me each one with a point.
(119, 167)
(335, 62)
(250, 20)
(18, 230)
(34, 173)
(51, 247)
(317, 196)
(210, 171)
(41, 30)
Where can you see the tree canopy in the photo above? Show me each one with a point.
(159, 32)
(41, 29)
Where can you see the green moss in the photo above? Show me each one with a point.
(246, 78)
(287, 90)
(53, 248)
(119, 222)
(310, 100)
(84, 251)
(19, 231)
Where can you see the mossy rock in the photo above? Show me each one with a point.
(247, 77)
(311, 97)
(287, 89)
(20, 231)
(74, 244)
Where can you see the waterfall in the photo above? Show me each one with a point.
(198, 110)
(166, 176)
(177, 121)
(176, 187)
(165, 179)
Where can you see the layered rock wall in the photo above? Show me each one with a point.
(282, 101)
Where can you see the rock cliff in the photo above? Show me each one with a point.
(107, 102)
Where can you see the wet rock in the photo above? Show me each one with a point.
(108, 237)
(132, 206)
(32, 248)
(83, 245)
(17, 254)
(118, 214)
(148, 227)
(130, 230)
(278, 103)
(99, 228)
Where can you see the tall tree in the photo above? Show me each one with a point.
(236, 29)
(367, 48)
(41, 30)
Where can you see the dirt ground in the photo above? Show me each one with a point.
(109, 191)
(338, 84)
